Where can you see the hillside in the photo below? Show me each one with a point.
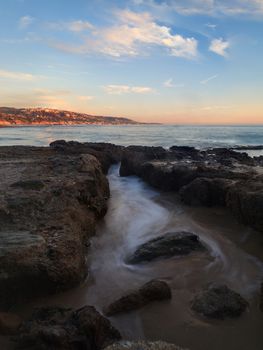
(46, 116)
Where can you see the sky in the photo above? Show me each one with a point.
(168, 61)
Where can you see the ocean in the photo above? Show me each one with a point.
(150, 135)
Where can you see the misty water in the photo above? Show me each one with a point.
(137, 213)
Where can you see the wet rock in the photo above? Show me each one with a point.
(168, 245)
(143, 345)
(64, 329)
(49, 205)
(206, 192)
(149, 292)
(9, 323)
(219, 302)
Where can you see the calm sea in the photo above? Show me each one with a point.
(153, 135)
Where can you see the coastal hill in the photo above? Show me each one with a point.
(46, 116)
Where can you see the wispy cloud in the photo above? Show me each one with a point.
(72, 26)
(6, 74)
(132, 35)
(253, 8)
(170, 84)
(211, 26)
(25, 21)
(219, 46)
(205, 81)
(126, 89)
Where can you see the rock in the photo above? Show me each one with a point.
(106, 153)
(206, 192)
(149, 292)
(143, 345)
(167, 245)
(219, 302)
(59, 328)
(9, 323)
(245, 200)
(49, 205)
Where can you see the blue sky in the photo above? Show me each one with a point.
(191, 61)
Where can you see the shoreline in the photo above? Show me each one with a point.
(71, 176)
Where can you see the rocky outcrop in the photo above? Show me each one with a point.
(168, 245)
(218, 176)
(143, 345)
(154, 290)
(64, 329)
(219, 302)
(49, 205)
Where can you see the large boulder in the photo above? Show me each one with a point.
(149, 292)
(219, 302)
(168, 245)
(63, 329)
(143, 345)
(49, 205)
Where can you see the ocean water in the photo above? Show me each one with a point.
(150, 135)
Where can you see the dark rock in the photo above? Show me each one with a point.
(149, 292)
(64, 329)
(206, 192)
(245, 200)
(167, 245)
(29, 185)
(219, 302)
(9, 323)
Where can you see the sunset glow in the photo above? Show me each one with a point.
(168, 61)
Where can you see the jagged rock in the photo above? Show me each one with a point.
(63, 329)
(9, 323)
(206, 192)
(219, 302)
(151, 291)
(143, 345)
(167, 245)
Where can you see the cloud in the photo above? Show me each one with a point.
(134, 34)
(25, 21)
(211, 26)
(205, 81)
(85, 98)
(72, 26)
(16, 75)
(213, 8)
(219, 46)
(169, 84)
(126, 89)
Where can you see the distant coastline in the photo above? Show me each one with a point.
(13, 117)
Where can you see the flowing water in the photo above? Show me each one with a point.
(136, 214)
